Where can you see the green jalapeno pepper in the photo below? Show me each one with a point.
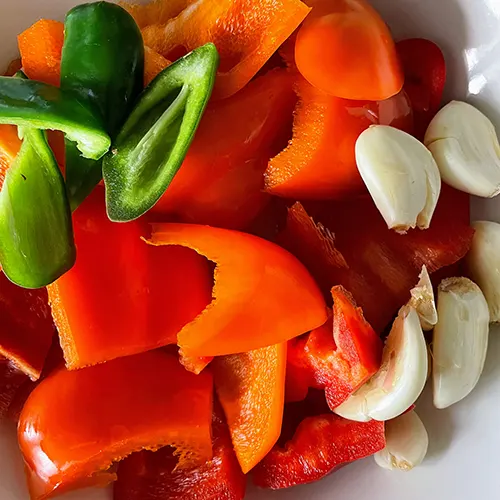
(154, 141)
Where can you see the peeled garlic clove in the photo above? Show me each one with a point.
(465, 146)
(460, 340)
(422, 299)
(401, 378)
(401, 176)
(407, 443)
(483, 264)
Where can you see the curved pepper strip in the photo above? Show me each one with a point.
(309, 167)
(251, 389)
(320, 446)
(246, 33)
(76, 424)
(154, 141)
(152, 476)
(156, 11)
(262, 294)
(220, 182)
(381, 276)
(338, 357)
(119, 284)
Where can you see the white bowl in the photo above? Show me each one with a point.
(463, 460)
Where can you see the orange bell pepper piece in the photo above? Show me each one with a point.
(345, 49)
(320, 446)
(320, 162)
(76, 424)
(262, 294)
(338, 357)
(221, 180)
(155, 12)
(154, 63)
(119, 284)
(10, 144)
(251, 389)
(245, 32)
(152, 475)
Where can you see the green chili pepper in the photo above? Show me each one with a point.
(26, 103)
(102, 61)
(36, 235)
(154, 141)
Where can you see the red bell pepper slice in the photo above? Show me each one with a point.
(11, 382)
(262, 294)
(345, 49)
(320, 446)
(246, 33)
(378, 266)
(424, 67)
(251, 389)
(75, 424)
(152, 475)
(310, 167)
(119, 284)
(339, 356)
(221, 181)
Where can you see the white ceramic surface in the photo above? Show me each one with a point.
(463, 460)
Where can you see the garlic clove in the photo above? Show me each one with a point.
(460, 340)
(483, 264)
(407, 442)
(401, 176)
(465, 146)
(422, 299)
(401, 378)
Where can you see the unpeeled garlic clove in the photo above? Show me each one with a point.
(401, 378)
(465, 146)
(422, 299)
(460, 340)
(401, 176)
(483, 264)
(407, 443)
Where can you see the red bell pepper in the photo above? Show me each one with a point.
(339, 356)
(320, 446)
(262, 294)
(425, 77)
(320, 162)
(11, 382)
(76, 424)
(378, 266)
(119, 284)
(152, 476)
(251, 389)
(221, 180)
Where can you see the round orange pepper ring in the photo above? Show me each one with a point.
(75, 424)
(262, 294)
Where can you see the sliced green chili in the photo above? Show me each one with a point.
(36, 235)
(27, 103)
(102, 61)
(154, 141)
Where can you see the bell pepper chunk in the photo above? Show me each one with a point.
(310, 167)
(12, 380)
(156, 11)
(221, 181)
(262, 294)
(76, 424)
(10, 145)
(345, 49)
(320, 445)
(152, 475)
(119, 284)
(251, 389)
(246, 33)
(154, 64)
(338, 357)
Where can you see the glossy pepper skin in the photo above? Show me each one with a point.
(103, 62)
(285, 300)
(76, 424)
(153, 143)
(338, 357)
(151, 475)
(320, 445)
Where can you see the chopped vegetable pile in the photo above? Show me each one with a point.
(222, 227)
